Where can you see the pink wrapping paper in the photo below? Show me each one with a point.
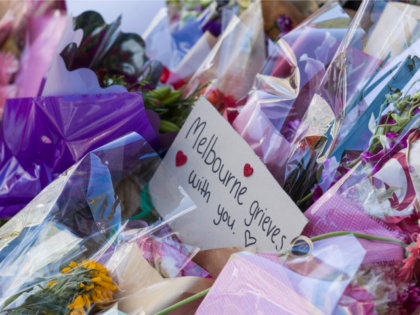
(42, 38)
(261, 284)
(333, 213)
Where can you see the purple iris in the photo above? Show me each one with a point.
(284, 23)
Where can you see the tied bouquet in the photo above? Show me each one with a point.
(79, 285)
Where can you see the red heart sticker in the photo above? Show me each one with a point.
(180, 159)
(248, 170)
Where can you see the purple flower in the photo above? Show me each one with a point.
(390, 121)
(391, 135)
(317, 193)
(370, 158)
(284, 23)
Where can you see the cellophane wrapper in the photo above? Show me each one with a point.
(96, 210)
(338, 116)
(283, 89)
(379, 198)
(263, 283)
(232, 64)
(41, 137)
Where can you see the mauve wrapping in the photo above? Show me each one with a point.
(41, 137)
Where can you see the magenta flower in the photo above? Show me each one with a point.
(284, 23)
(317, 192)
(391, 135)
(371, 158)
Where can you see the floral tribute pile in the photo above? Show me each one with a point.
(326, 97)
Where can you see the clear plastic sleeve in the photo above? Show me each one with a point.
(100, 211)
(372, 53)
(283, 89)
(231, 66)
(43, 136)
(262, 283)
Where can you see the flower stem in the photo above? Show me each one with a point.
(359, 235)
(183, 302)
(351, 164)
(304, 199)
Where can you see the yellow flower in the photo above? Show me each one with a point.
(78, 303)
(101, 268)
(89, 287)
(52, 282)
(96, 280)
(97, 295)
(66, 270)
(79, 311)
(82, 263)
(73, 264)
(87, 300)
(105, 278)
(91, 265)
(108, 286)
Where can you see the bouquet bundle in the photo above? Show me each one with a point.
(284, 88)
(320, 116)
(90, 239)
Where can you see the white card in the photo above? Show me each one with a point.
(232, 209)
(136, 14)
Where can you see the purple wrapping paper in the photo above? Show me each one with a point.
(41, 137)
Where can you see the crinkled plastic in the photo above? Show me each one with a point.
(338, 116)
(41, 137)
(167, 45)
(333, 212)
(83, 215)
(378, 197)
(231, 66)
(262, 284)
(390, 193)
(286, 84)
(42, 38)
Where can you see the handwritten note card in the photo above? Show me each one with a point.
(238, 201)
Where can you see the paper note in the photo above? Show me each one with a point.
(239, 203)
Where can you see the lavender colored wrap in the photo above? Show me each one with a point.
(41, 137)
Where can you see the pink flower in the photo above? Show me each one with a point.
(357, 300)
(9, 65)
(411, 266)
(391, 135)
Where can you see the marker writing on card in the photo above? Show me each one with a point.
(209, 155)
(224, 216)
(202, 185)
(265, 222)
(238, 202)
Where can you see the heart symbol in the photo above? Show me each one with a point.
(180, 159)
(248, 237)
(248, 170)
